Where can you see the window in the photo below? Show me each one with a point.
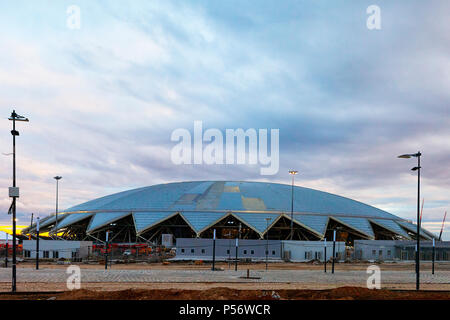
(182, 250)
(203, 250)
(74, 254)
(245, 251)
(46, 254)
(192, 250)
(27, 253)
(55, 254)
(267, 252)
(273, 252)
(389, 253)
(228, 251)
(252, 252)
(374, 252)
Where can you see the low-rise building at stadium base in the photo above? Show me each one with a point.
(57, 249)
(302, 251)
(390, 250)
(255, 250)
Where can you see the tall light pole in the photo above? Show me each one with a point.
(407, 156)
(37, 243)
(292, 173)
(267, 239)
(213, 268)
(14, 193)
(57, 178)
(6, 253)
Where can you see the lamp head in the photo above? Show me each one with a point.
(410, 155)
(293, 172)
(57, 178)
(16, 117)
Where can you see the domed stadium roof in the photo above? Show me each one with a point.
(203, 203)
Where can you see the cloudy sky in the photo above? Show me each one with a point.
(104, 99)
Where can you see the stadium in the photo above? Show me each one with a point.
(248, 210)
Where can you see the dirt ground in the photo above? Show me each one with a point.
(119, 286)
(223, 293)
(233, 291)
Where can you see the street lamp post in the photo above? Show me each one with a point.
(407, 156)
(14, 193)
(267, 239)
(433, 257)
(57, 178)
(213, 268)
(292, 173)
(334, 251)
(106, 250)
(237, 247)
(37, 243)
(6, 253)
(236, 260)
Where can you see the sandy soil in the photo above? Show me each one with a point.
(115, 286)
(223, 293)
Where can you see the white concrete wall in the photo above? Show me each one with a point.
(64, 248)
(313, 248)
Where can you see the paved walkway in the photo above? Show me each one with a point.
(271, 276)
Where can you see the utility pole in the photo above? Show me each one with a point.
(325, 255)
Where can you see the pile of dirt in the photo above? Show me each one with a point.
(166, 294)
(359, 293)
(343, 293)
